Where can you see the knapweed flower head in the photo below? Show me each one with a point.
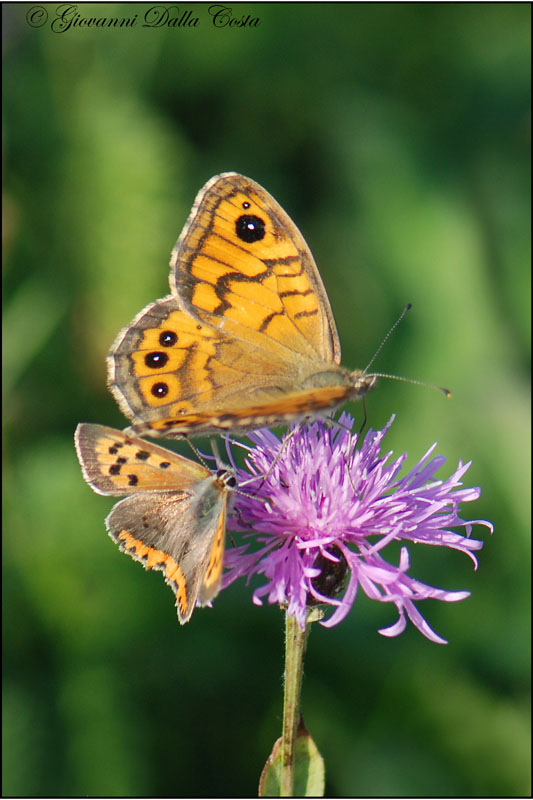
(322, 510)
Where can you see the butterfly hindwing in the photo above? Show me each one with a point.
(173, 517)
(178, 535)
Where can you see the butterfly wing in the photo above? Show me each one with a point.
(241, 259)
(174, 519)
(183, 536)
(115, 463)
(172, 374)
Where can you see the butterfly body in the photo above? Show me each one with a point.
(246, 338)
(173, 515)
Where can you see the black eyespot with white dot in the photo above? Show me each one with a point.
(246, 204)
(250, 228)
(168, 338)
(155, 360)
(159, 390)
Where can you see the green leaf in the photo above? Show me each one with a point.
(309, 770)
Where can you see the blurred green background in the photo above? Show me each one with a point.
(397, 136)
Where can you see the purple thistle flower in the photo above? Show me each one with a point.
(326, 511)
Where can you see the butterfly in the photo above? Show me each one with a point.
(246, 338)
(173, 517)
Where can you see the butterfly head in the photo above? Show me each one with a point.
(362, 382)
(226, 478)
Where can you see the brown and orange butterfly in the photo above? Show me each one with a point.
(173, 517)
(246, 338)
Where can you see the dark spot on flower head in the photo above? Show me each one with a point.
(332, 577)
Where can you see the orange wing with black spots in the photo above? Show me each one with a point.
(173, 517)
(242, 259)
(246, 337)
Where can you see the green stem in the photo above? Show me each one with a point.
(295, 643)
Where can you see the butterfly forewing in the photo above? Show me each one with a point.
(242, 258)
(115, 463)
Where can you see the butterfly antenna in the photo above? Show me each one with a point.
(267, 474)
(219, 461)
(387, 336)
(446, 392)
(196, 452)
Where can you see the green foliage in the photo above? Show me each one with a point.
(309, 771)
(397, 137)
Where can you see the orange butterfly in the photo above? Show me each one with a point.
(246, 338)
(173, 517)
